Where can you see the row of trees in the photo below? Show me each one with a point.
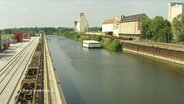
(47, 30)
(161, 30)
(95, 29)
(157, 29)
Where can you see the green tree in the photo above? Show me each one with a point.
(146, 32)
(7, 31)
(95, 29)
(157, 29)
(167, 31)
(178, 27)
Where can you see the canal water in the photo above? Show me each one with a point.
(97, 76)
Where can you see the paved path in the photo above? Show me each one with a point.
(51, 80)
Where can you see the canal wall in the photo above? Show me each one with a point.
(155, 51)
(52, 83)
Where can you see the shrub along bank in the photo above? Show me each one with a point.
(109, 44)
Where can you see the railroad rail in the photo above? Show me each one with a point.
(12, 72)
(29, 77)
(31, 88)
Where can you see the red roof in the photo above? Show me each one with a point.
(109, 21)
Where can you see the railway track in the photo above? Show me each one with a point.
(31, 90)
(12, 61)
(12, 72)
(22, 78)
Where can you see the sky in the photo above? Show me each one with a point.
(62, 13)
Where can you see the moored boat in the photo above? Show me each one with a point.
(91, 44)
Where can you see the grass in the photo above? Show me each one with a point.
(6, 36)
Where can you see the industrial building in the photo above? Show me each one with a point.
(174, 9)
(131, 25)
(82, 24)
(111, 26)
(124, 26)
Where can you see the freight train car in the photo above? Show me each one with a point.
(31, 88)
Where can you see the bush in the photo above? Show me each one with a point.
(116, 45)
(84, 38)
(112, 45)
(71, 35)
(95, 37)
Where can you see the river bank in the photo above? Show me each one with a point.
(163, 51)
(168, 52)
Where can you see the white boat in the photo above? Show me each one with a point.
(91, 44)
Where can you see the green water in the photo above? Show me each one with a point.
(98, 76)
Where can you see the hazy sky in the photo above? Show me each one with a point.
(59, 13)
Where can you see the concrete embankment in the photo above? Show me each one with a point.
(172, 53)
(52, 84)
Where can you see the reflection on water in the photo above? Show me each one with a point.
(97, 76)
